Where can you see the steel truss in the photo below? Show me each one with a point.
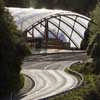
(46, 20)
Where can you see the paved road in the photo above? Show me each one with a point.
(53, 61)
(48, 83)
(48, 74)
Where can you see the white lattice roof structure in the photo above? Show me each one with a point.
(64, 25)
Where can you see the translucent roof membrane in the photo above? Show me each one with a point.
(66, 25)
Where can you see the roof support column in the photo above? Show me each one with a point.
(33, 40)
(46, 33)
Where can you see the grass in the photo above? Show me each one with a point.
(88, 90)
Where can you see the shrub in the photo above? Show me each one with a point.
(12, 52)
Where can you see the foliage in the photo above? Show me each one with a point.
(94, 40)
(94, 29)
(17, 3)
(37, 3)
(95, 47)
(85, 41)
(12, 52)
(77, 5)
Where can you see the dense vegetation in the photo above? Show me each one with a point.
(82, 6)
(76, 5)
(94, 39)
(12, 52)
(17, 3)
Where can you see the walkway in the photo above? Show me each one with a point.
(48, 73)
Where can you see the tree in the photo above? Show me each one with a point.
(94, 31)
(82, 6)
(12, 52)
(94, 40)
(17, 3)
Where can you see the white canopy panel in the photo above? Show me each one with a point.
(72, 25)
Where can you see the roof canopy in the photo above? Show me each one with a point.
(64, 25)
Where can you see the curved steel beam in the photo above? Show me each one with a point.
(51, 32)
(74, 15)
(64, 33)
(57, 27)
(40, 32)
(29, 32)
(36, 29)
(71, 19)
(71, 27)
(55, 16)
(48, 30)
(64, 15)
(76, 21)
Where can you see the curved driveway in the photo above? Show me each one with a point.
(48, 74)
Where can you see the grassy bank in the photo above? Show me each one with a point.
(89, 90)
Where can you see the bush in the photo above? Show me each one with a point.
(17, 3)
(94, 29)
(85, 41)
(12, 52)
(94, 40)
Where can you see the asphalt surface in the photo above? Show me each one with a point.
(48, 73)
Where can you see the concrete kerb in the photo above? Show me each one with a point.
(22, 92)
(76, 73)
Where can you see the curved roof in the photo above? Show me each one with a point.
(65, 25)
